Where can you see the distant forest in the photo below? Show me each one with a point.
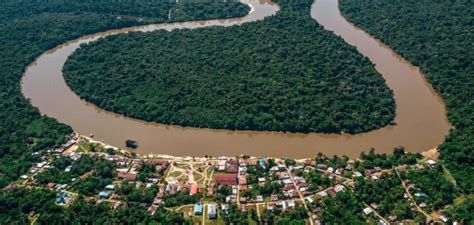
(285, 73)
(437, 36)
(30, 27)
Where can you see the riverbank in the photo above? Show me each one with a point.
(421, 115)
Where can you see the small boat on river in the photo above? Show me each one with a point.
(131, 144)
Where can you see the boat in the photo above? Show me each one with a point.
(131, 144)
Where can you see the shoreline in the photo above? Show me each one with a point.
(429, 153)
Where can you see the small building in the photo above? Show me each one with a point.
(242, 180)
(193, 189)
(225, 208)
(225, 179)
(431, 162)
(331, 192)
(212, 211)
(291, 203)
(443, 218)
(197, 209)
(339, 188)
(127, 176)
(104, 194)
(367, 211)
(330, 170)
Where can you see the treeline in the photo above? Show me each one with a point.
(150, 10)
(438, 37)
(26, 33)
(16, 204)
(285, 73)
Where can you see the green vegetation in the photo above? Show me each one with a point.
(82, 212)
(464, 210)
(398, 157)
(430, 182)
(285, 73)
(102, 173)
(343, 209)
(387, 193)
(181, 198)
(29, 28)
(16, 204)
(437, 37)
(295, 216)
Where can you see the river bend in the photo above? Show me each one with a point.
(420, 114)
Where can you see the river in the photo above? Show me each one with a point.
(420, 114)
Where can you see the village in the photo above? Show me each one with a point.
(206, 190)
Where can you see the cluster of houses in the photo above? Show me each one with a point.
(293, 188)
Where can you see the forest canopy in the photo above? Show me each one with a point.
(285, 73)
(31, 27)
(438, 37)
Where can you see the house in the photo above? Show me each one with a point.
(374, 206)
(233, 168)
(210, 191)
(270, 206)
(310, 199)
(221, 165)
(357, 174)
(331, 192)
(104, 194)
(152, 209)
(392, 218)
(212, 211)
(225, 208)
(349, 167)
(127, 176)
(242, 180)
(259, 198)
(197, 209)
(283, 205)
(321, 166)
(330, 170)
(225, 179)
(51, 185)
(321, 194)
(367, 211)
(287, 181)
(274, 198)
(431, 162)
(291, 203)
(110, 187)
(339, 188)
(193, 189)
(443, 218)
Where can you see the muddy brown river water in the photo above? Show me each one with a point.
(421, 115)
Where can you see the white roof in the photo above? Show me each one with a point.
(367, 211)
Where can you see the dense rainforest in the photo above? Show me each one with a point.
(284, 73)
(30, 27)
(438, 37)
